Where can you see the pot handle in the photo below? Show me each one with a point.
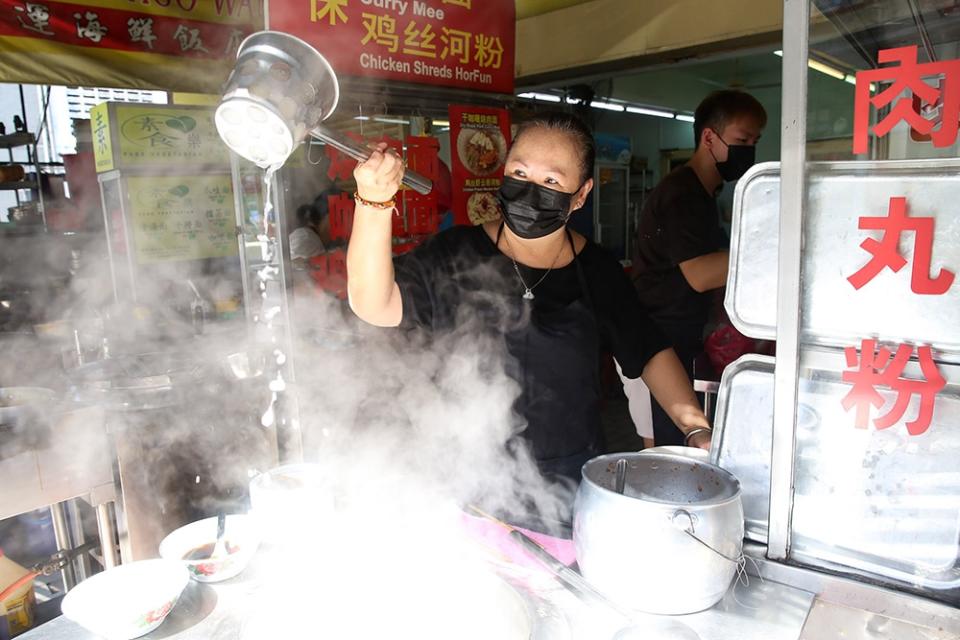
(685, 521)
(420, 184)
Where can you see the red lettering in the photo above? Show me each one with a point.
(885, 254)
(905, 75)
(873, 367)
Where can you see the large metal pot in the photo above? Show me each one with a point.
(670, 544)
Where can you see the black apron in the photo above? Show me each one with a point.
(557, 363)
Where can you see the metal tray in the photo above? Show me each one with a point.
(881, 503)
(743, 436)
(833, 312)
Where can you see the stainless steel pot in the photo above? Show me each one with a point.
(670, 544)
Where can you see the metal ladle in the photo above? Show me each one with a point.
(620, 479)
(280, 91)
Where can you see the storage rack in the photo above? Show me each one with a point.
(14, 141)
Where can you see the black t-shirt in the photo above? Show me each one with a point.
(460, 280)
(679, 222)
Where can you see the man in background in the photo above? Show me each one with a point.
(682, 252)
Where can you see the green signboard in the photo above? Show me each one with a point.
(181, 218)
(147, 136)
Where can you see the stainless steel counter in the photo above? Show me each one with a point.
(761, 610)
(72, 463)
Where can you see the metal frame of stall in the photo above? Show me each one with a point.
(53, 477)
(854, 600)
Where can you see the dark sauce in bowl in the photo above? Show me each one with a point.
(204, 552)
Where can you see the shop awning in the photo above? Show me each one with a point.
(187, 45)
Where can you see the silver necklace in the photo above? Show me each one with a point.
(528, 290)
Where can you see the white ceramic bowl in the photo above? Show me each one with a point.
(242, 540)
(128, 601)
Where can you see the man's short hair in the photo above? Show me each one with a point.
(721, 107)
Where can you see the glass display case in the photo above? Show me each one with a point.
(611, 208)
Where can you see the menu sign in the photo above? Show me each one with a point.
(466, 44)
(479, 138)
(145, 135)
(181, 218)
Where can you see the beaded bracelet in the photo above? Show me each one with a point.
(389, 204)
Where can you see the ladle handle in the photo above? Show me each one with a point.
(361, 152)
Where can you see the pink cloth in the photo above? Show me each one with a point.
(497, 539)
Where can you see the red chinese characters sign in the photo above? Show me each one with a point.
(886, 252)
(908, 97)
(416, 215)
(453, 43)
(873, 367)
(71, 42)
(479, 138)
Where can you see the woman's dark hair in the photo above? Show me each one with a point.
(308, 214)
(721, 107)
(574, 127)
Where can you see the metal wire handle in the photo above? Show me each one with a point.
(689, 529)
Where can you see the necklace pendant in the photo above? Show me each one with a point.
(528, 295)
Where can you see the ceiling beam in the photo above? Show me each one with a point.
(618, 35)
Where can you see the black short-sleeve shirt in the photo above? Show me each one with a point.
(460, 277)
(679, 222)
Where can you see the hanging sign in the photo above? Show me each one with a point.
(467, 44)
(186, 45)
(479, 138)
(149, 136)
(182, 218)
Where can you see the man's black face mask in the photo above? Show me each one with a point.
(740, 157)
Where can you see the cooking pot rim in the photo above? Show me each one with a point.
(613, 457)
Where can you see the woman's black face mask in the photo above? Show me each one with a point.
(532, 210)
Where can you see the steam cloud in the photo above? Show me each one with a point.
(407, 430)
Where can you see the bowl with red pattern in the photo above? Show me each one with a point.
(128, 601)
(194, 545)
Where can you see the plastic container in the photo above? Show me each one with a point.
(18, 609)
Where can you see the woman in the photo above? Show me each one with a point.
(558, 300)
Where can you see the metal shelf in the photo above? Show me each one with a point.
(16, 186)
(8, 229)
(28, 140)
(13, 140)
